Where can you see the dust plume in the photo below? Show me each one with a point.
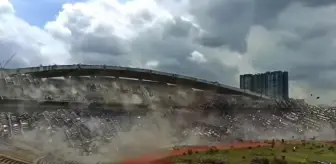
(175, 116)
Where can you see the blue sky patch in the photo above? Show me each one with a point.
(39, 12)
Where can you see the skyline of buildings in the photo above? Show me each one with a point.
(273, 84)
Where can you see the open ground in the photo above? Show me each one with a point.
(277, 151)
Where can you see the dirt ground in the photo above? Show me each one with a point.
(161, 158)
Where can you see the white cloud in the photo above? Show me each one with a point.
(152, 64)
(32, 45)
(6, 7)
(197, 57)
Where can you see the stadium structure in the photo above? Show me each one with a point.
(87, 81)
(49, 112)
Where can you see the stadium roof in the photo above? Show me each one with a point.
(136, 73)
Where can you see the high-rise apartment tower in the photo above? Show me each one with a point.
(272, 84)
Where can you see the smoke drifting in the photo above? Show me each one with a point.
(175, 116)
(155, 133)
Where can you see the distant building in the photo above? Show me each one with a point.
(272, 84)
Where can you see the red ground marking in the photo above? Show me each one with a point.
(162, 158)
(331, 142)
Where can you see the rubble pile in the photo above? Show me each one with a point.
(85, 131)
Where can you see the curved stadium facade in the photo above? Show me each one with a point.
(38, 88)
(94, 87)
(134, 73)
(60, 112)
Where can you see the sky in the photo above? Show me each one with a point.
(216, 40)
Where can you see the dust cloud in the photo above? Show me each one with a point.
(161, 128)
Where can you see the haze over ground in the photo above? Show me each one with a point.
(215, 39)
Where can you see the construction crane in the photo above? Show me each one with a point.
(4, 63)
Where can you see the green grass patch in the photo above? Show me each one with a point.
(303, 153)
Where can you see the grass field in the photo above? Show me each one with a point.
(303, 152)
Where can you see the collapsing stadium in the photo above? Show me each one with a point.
(101, 119)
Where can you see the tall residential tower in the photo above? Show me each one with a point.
(272, 84)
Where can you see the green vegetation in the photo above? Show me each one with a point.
(281, 153)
